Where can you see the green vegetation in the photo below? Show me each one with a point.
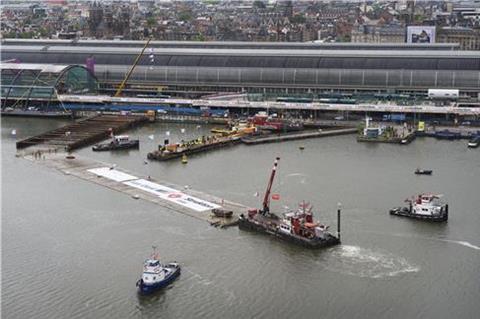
(259, 4)
(345, 38)
(419, 18)
(151, 21)
(298, 19)
(200, 38)
(185, 16)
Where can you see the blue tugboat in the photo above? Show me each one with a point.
(156, 275)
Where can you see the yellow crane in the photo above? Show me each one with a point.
(122, 85)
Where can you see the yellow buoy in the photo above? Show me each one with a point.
(184, 159)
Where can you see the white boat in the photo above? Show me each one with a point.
(157, 275)
(425, 207)
(118, 142)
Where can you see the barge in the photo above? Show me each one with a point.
(297, 227)
(447, 135)
(203, 144)
(263, 121)
(385, 134)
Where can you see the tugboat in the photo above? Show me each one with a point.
(424, 207)
(419, 171)
(156, 275)
(297, 227)
(119, 142)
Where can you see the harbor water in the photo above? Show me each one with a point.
(73, 249)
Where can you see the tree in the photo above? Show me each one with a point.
(26, 35)
(11, 34)
(298, 19)
(199, 37)
(43, 32)
(151, 21)
(185, 16)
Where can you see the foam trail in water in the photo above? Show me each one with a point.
(461, 242)
(296, 174)
(458, 242)
(206, 282)
(364, 262)
(199, 278)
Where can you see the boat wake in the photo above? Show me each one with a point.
(296, 174)
(197, 278)
(364, 262)
(302, 178)
(452, 241)
(460, 242)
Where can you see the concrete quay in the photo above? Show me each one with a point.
(176, 198)
(272, 138)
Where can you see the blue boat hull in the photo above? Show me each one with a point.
(148, 289)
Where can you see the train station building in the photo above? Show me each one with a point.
(195, 69)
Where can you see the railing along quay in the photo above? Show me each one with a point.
(452, 109)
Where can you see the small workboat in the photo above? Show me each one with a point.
(184, 159)
(157, 275)
(474, 142)
(423, 171)
(425, 207)
(119, 142)
(222, 213)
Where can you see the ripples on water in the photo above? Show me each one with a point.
(73, 250)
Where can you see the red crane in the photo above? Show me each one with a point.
(266, 199)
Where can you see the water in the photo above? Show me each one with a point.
(72, 249)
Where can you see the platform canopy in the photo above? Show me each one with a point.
(24, 82)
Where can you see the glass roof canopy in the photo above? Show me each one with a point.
(23, 83)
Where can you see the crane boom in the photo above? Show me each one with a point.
(266, 199)
(124, 82)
